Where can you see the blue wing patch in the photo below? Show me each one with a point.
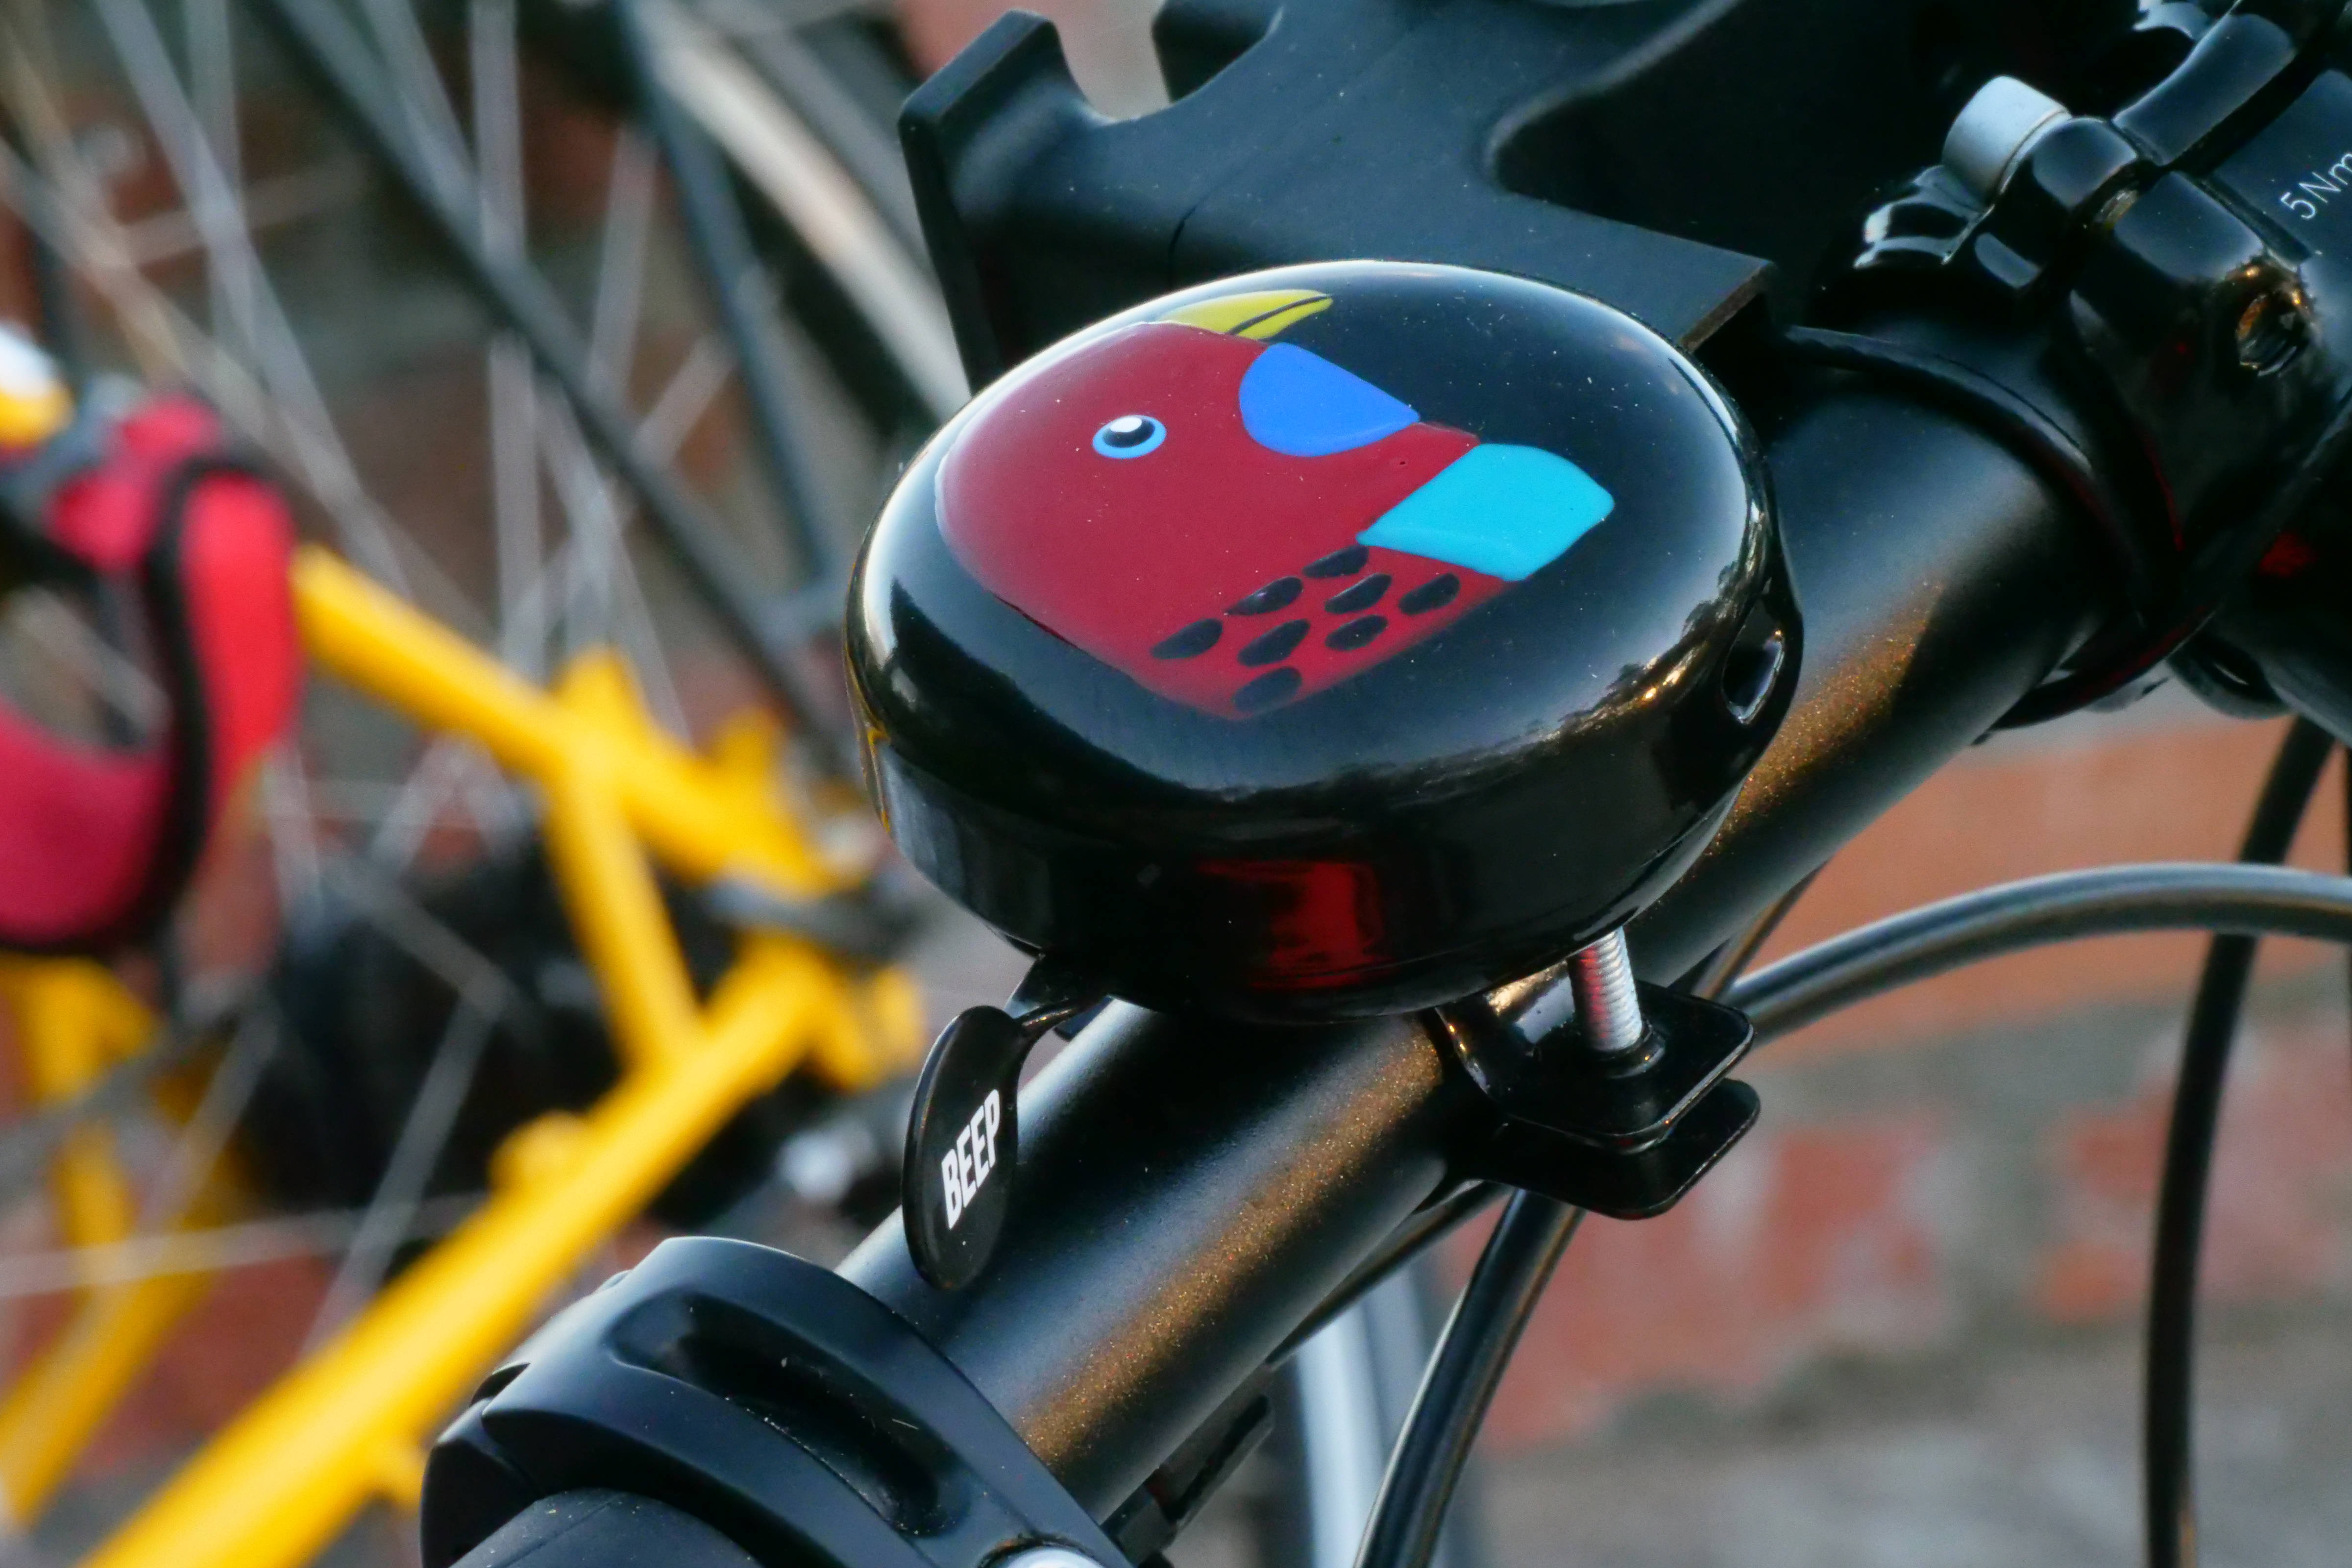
(1508, 511)
(1303, 405)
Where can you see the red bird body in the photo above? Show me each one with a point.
(1215, 571)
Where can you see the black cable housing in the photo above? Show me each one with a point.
(1476, 1345)
(2168, 1490)
(2109, 901)
(1517, 1261)
(2242, 899)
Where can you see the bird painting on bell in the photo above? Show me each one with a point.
(1237, 522)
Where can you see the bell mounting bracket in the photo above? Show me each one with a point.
(1622, 1133)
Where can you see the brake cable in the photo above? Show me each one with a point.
(1472, 1353)
(1517, 1261)
(2242, 899)
(2169, 1490)
(2105, 900)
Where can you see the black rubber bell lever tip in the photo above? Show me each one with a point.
(963, 1131)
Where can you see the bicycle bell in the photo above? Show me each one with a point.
(1330, 641)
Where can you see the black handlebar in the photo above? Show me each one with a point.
(1193, 1190)
(1189, 1191)
(1941, 579)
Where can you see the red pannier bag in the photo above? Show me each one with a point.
(97, 842)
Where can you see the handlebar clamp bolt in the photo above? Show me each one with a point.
(2272, 329)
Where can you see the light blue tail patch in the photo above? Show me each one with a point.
(1508, 511)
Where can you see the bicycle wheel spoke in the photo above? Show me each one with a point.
(750, 23)
(224, 230)
(94, 663)
(214, 1249)
(416, 808)
(620, 263)
(612, 602)
(847, 232)
(413, 928)
(270, 203)
(29, 1144)
(211, 198)
(211, 88)
(423, 1134)
(687, 526)
(206, 1132)
(433, 126)
(66, 209)
(514, 493)
(289, 819)
(687, 395)
(492, 801)
(215, 208)
(498, 120)
(533, 622)
(738, 286)
(513, 388)
(67, 206)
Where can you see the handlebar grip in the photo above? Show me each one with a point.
(602, 1529)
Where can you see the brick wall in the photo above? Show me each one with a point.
(1977, 1156)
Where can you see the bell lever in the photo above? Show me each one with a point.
(963, 1132)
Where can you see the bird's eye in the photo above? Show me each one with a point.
(1130, 435)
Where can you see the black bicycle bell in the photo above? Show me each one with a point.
(1330, 641)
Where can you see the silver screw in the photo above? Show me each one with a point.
(1608, 1010)
(2272, 329)
(1046, 1557)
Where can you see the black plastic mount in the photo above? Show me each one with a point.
(1624, 1135)
(1043, 216)
(2085, 173)
(766, 1397)
(1662, 158)
(2194, 251)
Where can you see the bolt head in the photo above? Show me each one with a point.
(2271, 330)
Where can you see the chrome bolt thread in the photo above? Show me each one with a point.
(1608, 1010)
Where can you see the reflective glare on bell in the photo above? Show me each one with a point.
(1330, 641)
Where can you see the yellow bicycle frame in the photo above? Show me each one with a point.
(349, 1423)
(73, 1021)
